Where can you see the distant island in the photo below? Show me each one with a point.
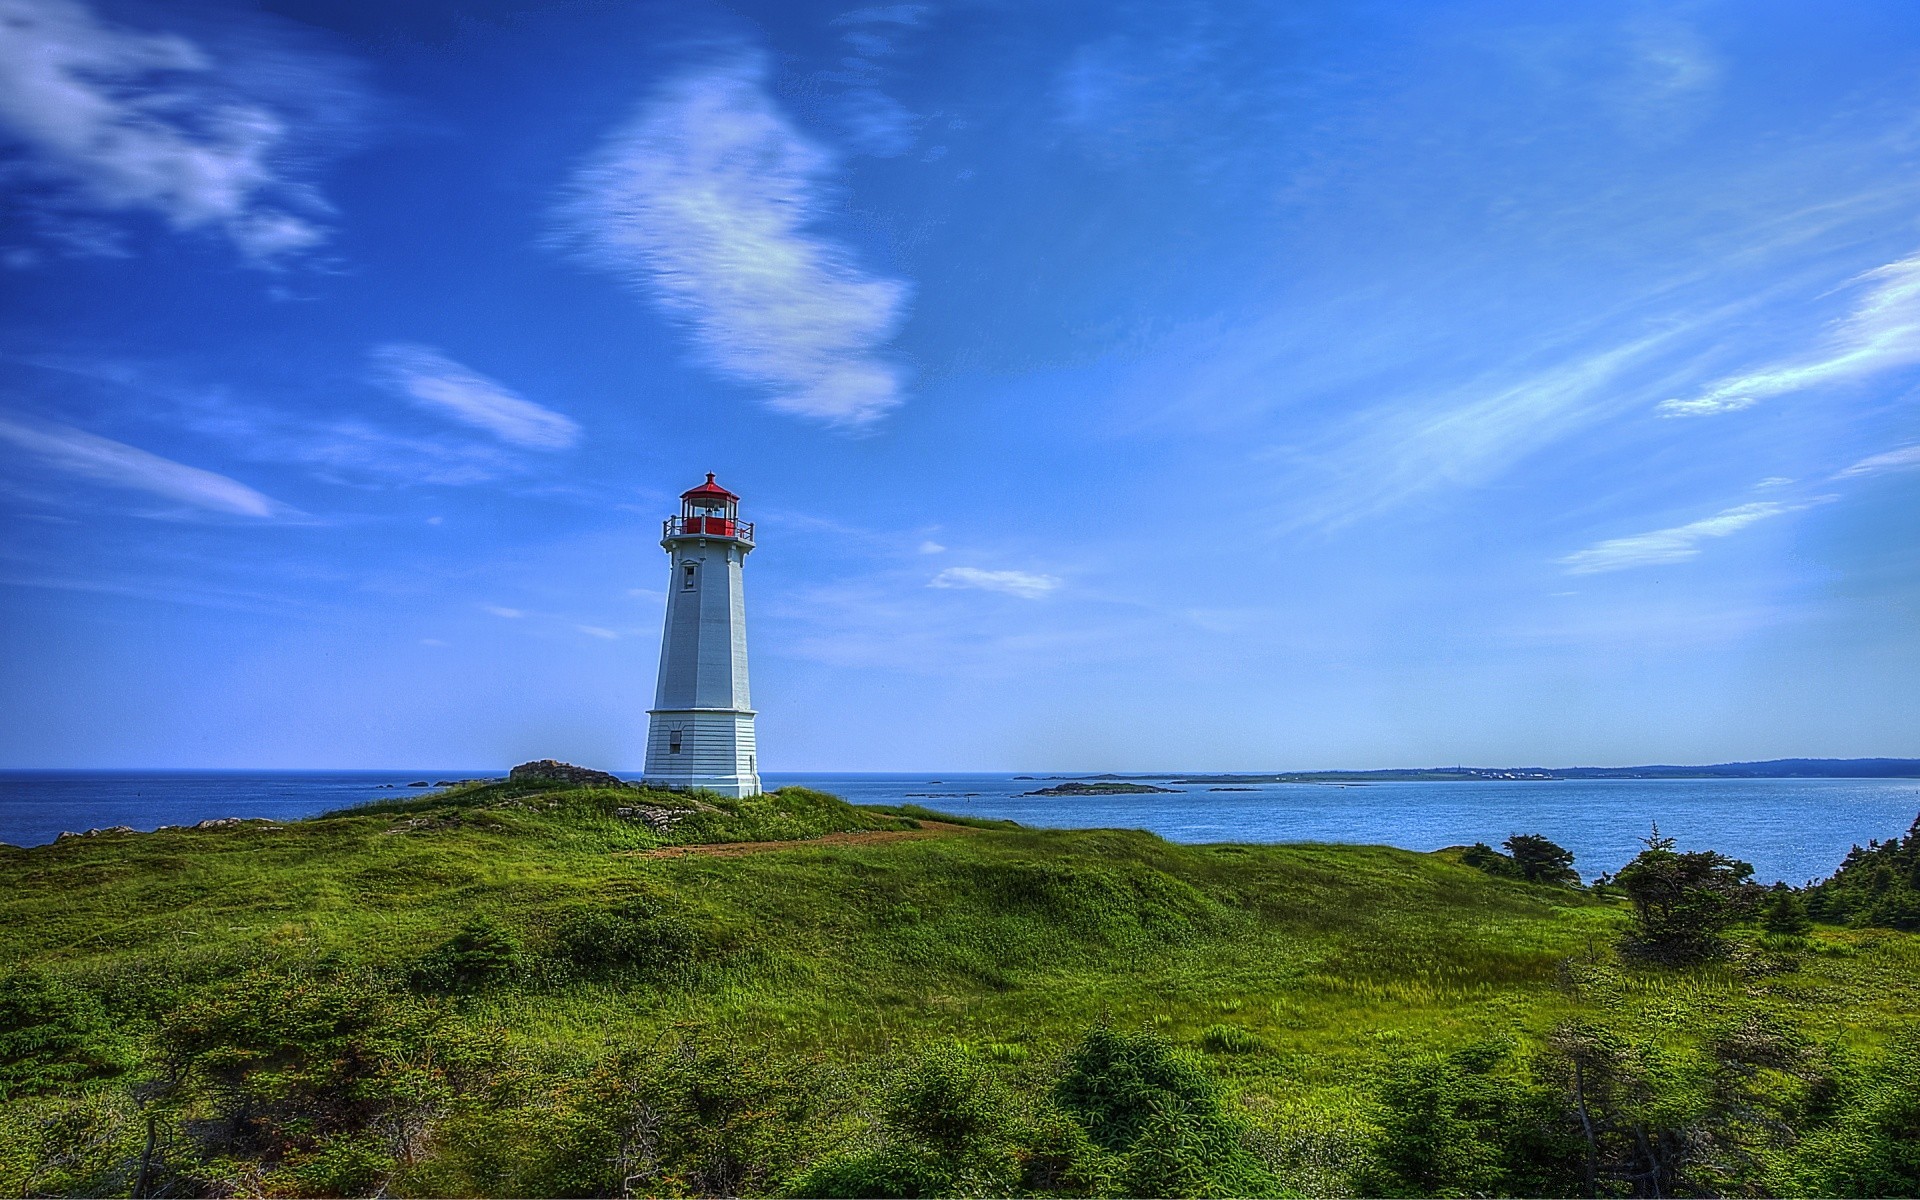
(1777, 768)
(1101, 788)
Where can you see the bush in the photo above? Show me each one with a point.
(329, 1081)
(1463, 1124)
(628, 939)
(1878, 885)
(1162, 1113)
(1872, 1145)
(948, 1128)
(1783, 912)
(479, 954)
(1683, 904)
(53, 1034)
(1485, 858)
(1541, 861)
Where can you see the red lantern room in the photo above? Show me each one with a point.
(709, 510)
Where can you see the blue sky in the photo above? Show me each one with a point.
(1116, 387)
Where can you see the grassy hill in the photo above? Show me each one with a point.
(509, 989)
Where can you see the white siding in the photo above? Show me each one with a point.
(702, 689)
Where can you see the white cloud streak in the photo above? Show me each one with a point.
(1880, 334)
(1388, 457)
(435, 382)
(1013, 583)
(1678, 544)
(116, 464)
(116, 120)
(1906, 458)
(703, 202)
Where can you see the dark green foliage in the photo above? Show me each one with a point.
(1162, 1114)
(480, 953)
(1683, 903)
(1541, 861)
(1784, 912)
(1529, 857)
(52, 1035)
(634, 937)
(1878, 885)
(1483, 857)
(1472, 1124)
(329, 1080)
(948, 1128)
(699, 1118)
(1871, 1146)
(1654, 1121)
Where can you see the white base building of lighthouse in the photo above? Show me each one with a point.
(700, 728)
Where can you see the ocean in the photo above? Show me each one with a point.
(1790, 829)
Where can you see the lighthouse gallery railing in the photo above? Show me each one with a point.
(707, 526)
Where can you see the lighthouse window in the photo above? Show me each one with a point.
(673, 741)
(689, 576)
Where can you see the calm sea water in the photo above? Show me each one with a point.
(1791, 829)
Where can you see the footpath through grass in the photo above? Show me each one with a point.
(390, 997)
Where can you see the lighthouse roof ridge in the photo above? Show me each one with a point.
(708, 489)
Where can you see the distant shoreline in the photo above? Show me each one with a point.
(1776, 768)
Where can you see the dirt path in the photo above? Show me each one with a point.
(863, 838)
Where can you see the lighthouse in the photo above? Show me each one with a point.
(700, 728)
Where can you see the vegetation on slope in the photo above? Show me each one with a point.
(1878, 884)
(509, 989)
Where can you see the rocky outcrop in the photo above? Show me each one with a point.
(549, 771)
(653, 816)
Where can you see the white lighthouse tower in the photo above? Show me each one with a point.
(700, 728)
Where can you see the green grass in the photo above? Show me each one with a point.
(1300, 972)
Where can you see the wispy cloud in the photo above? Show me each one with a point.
(101, 460)
(436, 382)
(1678, 544)
(598, 632)
(1388, 457)
(115, 120)
(511, 614)
(1906, 458)
(703, 201)
(873, 120)
(1880, 334)
(1023, 584)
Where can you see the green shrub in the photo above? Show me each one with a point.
(1871, 1146)
(1162, 1114)
(53, 1034)
(480, 953)
(1683, 903)
(948, 1128)
(632, 938)
(1462, 1124)
(1541, 861)
(1784, 913)
(1876, 885)
(317, 1077)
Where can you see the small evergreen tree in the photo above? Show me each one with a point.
(1683, 903)
(1783, 912)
